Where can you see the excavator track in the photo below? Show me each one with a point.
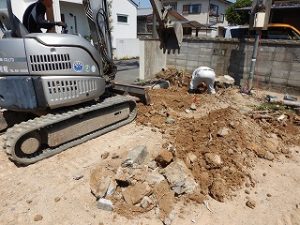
(19, 131)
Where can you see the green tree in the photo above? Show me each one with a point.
(238, 17)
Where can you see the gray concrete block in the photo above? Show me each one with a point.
(136, 155)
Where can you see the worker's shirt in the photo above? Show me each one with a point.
(34, 18)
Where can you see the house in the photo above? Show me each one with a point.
(209, 13)
(123, 18)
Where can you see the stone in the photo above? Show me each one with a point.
(192, 157)
(180, 178)
(57, 199)
(188, 111)
(269, 195)
(170, 120)
(134, 194)
(223, 132)
(269, 156)
(38, 217)
(99, 185)
(146, 202)
(251, 203)
(164, 158)
(225, 81)
(152, 165)
(154, 177)
(218, 190)
(136, 156)
(247, 192)
(213, 160)
(105, 204)
(77, 177)
(111, 188)
(162, 84)
(123, 175)
(193, 106)
(105, 155)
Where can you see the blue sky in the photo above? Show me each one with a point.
(146, 3)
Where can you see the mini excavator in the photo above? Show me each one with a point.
(65, 82)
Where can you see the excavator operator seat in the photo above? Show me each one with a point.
(10, 24)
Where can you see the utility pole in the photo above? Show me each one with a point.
(259, 20)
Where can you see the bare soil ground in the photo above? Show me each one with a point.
(260, 162)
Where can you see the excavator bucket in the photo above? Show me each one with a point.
(171, 37)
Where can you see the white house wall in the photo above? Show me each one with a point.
(122, 30)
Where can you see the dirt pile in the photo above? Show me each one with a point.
(220, 135)
(175, 77)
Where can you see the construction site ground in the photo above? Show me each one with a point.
(260, 163)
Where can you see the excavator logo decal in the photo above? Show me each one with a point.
(78, 66)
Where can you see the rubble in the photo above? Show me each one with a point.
(135, 193)
(180, 178)
(218, 190)
(164, 158)
(170, 120)
(223, 132)
(224, 81)
(38, 217)
(105, 204)
(136, 156)
(146, 202)
(193, 106)
(154, 178)
(213, 160)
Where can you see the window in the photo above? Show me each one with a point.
(191, 9)
(122, 18)
(213, 10)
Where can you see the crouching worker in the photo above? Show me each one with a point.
(203, 76)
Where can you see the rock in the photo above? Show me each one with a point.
(134, 194)
(136, 156)
(77, 177)
(29, 201)
(105, 155)
(224, 81)
(213, 160)
(57, 199)
(251, 203)
(170, 120)
(247, 192)
(152, 165)
(269, 195)
(146, 202)
(188, 111)
(223, 132)
(111, 188)
(164, 158)
(38, 217)
(99, 182)
(154, 178)
(162, 84)
(191, 157)
(123, 176)
(269, 156)
(105, 204)
(218, 190)
(193, 106)
(180, 178)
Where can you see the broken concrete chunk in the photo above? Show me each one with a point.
(146, 202)
(111, 188)
(218, 190)
(100, 180)
(180, 178)
(213, 160)
(162, 84)
(170, 120)
(193, 106)
(223, 132)
(136, 156)
(105, 204)
(134, 194)
(224, 81)
(154, 178)
(123, 175)
(164, 158)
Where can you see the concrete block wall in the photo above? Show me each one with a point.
(278, 62)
